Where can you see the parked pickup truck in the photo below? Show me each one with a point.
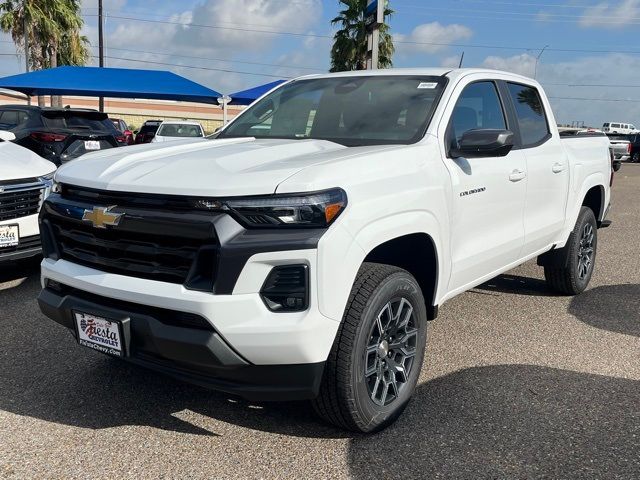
(25, 181)
(300, 254)
(621, 146)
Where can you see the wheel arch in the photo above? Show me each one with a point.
(417, 254)
(594, 199)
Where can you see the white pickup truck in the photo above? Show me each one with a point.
(25, 181)
(300, 253)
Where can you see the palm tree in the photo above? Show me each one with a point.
(349, 51)
(53, 31)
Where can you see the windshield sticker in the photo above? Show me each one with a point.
(430, 85)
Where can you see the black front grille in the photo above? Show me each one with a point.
(150, 244)
(18, 204)
(26, 243)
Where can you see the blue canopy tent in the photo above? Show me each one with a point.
(110, 82)
(246, 97)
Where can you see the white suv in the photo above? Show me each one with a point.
(25, 181)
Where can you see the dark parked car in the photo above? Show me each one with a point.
(148, 131)
(59, 134)
(122, 126)
(634, 139)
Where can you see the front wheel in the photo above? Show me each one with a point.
(572, 273)
(635, 158)
(375, 361)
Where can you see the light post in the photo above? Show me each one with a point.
(535, 70)
(224, 101)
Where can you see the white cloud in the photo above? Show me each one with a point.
(450, 62)
(234, 28)
(523, 64)
(606, 15)
(432, 37)
(580, 79)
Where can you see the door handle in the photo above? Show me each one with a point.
(517, 175)
(557, 167)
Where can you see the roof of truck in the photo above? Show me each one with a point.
(452, 73)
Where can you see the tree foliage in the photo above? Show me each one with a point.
(53, 30)
(349, 51)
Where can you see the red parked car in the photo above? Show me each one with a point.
(148, 131)
(122, 126)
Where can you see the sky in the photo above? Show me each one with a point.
(585, 50)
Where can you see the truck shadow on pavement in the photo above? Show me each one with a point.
(18, 270)
(610, 307)
(495, 421)
(44, 374)
(509, 421)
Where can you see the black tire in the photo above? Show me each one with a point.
(347, 392)
(635, 158)
(570, 275)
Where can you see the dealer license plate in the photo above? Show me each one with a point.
(91, 145)
(99, 333)
(9, 235)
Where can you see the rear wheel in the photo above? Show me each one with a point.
(376, 358)
(572, 273)
(635, 158)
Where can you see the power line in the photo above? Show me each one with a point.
(596, 99)
(151, 62)
(594, 85)
(404, 42)
(528, 4)
(217, 59)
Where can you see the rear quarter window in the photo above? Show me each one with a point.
(532, 119)
(10, 119)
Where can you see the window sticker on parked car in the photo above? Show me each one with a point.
(430, 85)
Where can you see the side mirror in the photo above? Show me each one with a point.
(7, 136)
(483, 143)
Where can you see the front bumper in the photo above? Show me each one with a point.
(27, 248)
(186, 347)
(29, 245)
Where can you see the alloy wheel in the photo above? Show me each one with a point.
(390, 351)
(585, 251)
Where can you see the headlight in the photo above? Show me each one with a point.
(49, 184)
(313, 210)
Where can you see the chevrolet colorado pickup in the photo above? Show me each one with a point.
(25, 181)
(300, 253)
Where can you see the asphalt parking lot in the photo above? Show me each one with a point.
(517, 383)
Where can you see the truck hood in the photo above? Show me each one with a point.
(17, 162)
(225, 167)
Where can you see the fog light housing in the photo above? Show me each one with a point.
(286, 289)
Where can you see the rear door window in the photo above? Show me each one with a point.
(530, 113)
(90, 121)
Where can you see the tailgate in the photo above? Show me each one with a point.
(77, 145)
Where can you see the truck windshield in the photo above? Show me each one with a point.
(353, 111)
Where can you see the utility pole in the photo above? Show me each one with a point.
(100, 48)
(374, 18)
(25, 28)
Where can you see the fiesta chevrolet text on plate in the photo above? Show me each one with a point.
(300, 254)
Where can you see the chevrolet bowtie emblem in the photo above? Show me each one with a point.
(100, 217)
